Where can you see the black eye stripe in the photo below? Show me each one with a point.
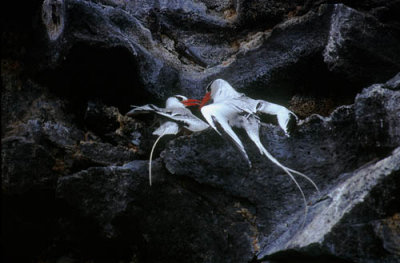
(208, 89)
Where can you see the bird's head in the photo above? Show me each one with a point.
(218, 90)
(180, 101)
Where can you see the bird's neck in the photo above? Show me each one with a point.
(173, 103)
(224, 95)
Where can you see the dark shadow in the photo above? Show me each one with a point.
(310, 78)
(109, 75)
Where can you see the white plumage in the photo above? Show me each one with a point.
(230, 108)
(174, 117)
(174, 111)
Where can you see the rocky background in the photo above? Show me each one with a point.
(74, 168)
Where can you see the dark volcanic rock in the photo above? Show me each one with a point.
(326, 149)
(352, 223)
(74, 175)
(394, 83)
(37, 144)
(178, 47)
(378, 114)
(102, 119)
(353, 40)
(26, 165)
(109, 189)
(340, 46)
(109, 154)
(171, 218)
(223, 208)
(108, 124)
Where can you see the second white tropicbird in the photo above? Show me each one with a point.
(230, 108)
(174, 117)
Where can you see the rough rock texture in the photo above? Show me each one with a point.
(74, 168)
(328, 150)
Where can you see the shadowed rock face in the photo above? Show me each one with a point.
(74, 169)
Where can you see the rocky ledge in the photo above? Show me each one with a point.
(74, 168)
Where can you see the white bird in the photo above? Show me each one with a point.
(175, 117)
(230, 108)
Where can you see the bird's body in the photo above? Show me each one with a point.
(230, 108)
(174, 111)
(221, 92)
(173, 118)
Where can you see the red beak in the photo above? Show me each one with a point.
(190, 102)
(205, 99)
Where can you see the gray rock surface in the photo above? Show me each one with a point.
(350, 223)
(210, 185)
(179, 46)
(326, 149)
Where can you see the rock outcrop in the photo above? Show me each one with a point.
(74, 168)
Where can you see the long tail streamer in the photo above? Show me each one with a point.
(151, 155)
(288, 171)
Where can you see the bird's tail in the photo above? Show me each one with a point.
(307, 178)
(142, 109)
(151, 155)
(255, 138)
(288, 171)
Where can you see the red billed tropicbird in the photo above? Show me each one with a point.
(174, 117)
(230, 108)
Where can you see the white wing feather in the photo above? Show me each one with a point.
(166, 128)
(282, 113)
(218, 115)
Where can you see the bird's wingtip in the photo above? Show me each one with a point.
(291, 125)
(130, 113)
